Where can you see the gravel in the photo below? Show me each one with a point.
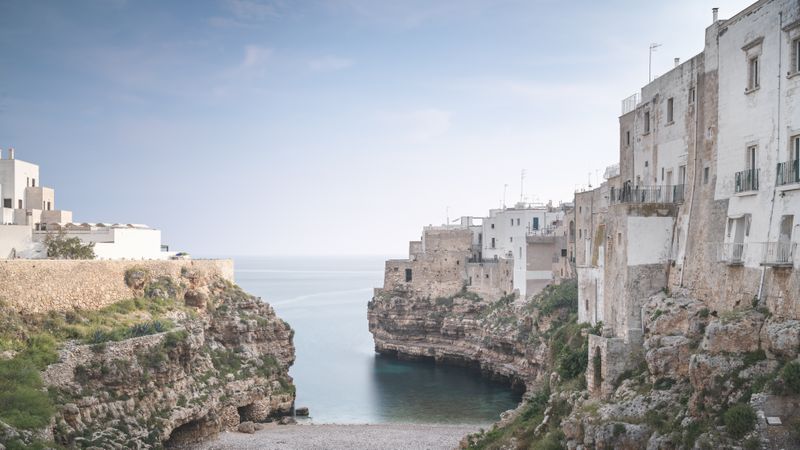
(329, 436)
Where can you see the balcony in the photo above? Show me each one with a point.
(731, 253)
(788, 173)
(668, 193)
(747, 181)
(778, 254)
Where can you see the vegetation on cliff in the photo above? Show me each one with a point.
(190, 351)
(699, 383)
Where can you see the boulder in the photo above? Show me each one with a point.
(669, 357)
(301, 411)
(782, 338)
(737, 334)
(195, 298)
(246, 427)
(287, 420)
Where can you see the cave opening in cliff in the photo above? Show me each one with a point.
(189, 433)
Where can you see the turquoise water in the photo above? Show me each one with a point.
(337, 373)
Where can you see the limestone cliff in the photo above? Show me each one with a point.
(191, 356)
(706, 380)
(503, 337)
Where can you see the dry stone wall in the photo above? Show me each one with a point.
(37, 286)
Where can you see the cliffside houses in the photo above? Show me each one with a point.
(520, 249)
(707, 192)
(29, 214)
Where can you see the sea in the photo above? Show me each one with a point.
(338, 375)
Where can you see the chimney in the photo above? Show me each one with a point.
(677, 62)
(11, 153)
(715, 14)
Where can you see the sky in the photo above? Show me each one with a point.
(324, 127)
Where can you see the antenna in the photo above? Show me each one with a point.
(505, 188)
(521, 185)
(590, 180)
(653, 48)
(447, 215)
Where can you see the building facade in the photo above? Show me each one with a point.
(707, 191)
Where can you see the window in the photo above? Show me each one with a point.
(670, 110)
(493, 226)
(7, 203)
(49, 206)
(753, 74)
(517, 221)
(705, 175)
(33, 182)
(520, 252)
(20, 204)
(750, 156)
(408, 275)
(662, 174)
(627, 138)
(511, 239)
(646, 122)
(512, 222)
(646, 163)
(563, 253)
(493, 243)
(27, 181)
(580, 233)
(535, 223)
(795, 148)
(796, 55)
(692, 95)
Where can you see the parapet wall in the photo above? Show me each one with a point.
(38, 286)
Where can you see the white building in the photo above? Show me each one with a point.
(29, 215)
(505, 232)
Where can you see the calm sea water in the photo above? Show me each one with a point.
(337, 373)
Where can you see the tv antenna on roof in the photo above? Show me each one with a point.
(653, 48)
(521, 185)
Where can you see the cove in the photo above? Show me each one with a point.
(337, 373)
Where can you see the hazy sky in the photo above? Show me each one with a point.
(323, 127)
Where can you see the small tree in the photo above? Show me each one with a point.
(61, 247)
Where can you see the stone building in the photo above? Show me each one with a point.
(443, 263)
(707, 190)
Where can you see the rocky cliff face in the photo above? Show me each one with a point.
(192, 357)
(706, 380)
(503, 338)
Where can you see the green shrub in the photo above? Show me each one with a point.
(175, 338)
(619, 429)
(739, 420)
(444, 301)
(790, 378)
(553, 297)
(23, 403)
(61, 247)
(752, 443)
(551, 441)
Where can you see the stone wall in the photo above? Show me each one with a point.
(37, 286)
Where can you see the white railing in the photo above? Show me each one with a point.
(629, 104)
(777, 253)
(731, 252)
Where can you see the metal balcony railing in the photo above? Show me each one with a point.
(731, 253)
(747, 180)
(668, 193)
(779, 253)
(788, 173)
